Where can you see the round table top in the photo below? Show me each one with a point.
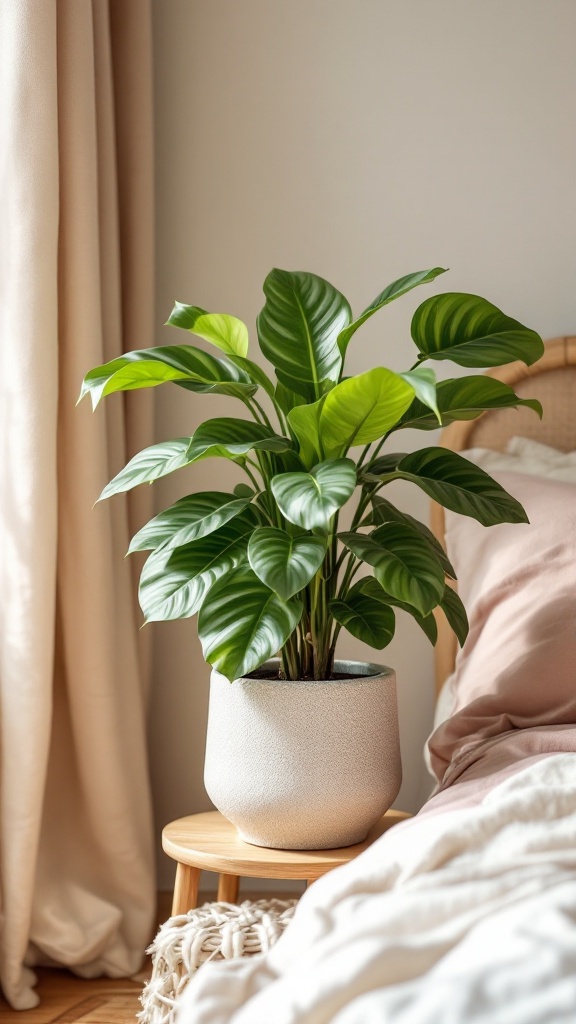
(211, 842)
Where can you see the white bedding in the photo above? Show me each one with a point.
(466, 913)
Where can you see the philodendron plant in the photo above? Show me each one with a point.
(268, 566)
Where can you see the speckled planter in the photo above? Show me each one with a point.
(304, 765)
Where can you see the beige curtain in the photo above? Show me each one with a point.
(76, 286)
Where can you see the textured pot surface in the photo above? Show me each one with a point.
(304, 765)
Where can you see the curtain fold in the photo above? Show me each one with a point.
(76, 288)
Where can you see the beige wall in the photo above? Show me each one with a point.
(361, 139)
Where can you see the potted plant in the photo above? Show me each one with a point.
(302, 750)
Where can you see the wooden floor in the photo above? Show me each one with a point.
(66, 999)
(69, 1000)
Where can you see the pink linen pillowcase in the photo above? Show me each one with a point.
(517, 669)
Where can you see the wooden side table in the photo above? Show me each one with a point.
(209, 841)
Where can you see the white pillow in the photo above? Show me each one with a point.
(535, 452)
(525, 456)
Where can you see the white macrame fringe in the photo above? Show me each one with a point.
(216, 931)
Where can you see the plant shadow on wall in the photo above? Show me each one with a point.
(266, 567)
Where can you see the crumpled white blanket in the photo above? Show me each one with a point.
(466, 914)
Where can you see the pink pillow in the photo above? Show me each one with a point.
(517, 669)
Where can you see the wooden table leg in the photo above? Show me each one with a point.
(228, 886)
(185, 889)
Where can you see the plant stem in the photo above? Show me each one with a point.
(262, 412)
(365, 451)
(335, 635)
(253, 408)
(377, 451)
(332, 549)
(363, 502)
(251, 475)
(290, 659)
(281, 419)
(365, 499)
(349, 572)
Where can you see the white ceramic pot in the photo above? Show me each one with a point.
(304, 765)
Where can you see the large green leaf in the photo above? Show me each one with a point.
(175, 581)
(371, 621)
(455, 612)
(361, 409)
(471, 331)
(191, 517)
(242, 623)
(384, 512)
(461, 486)
(180, 364)
(284, 563)
(304, 422)
(375, 592)
(231, 438)
(226, 332)
(310, 499)
(465, 398)
(403, 562)
(150, 464)
(298, 329)
(423, 381)
(393, 291)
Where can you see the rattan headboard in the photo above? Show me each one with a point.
(552, 380)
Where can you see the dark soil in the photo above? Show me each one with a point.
(262, 673)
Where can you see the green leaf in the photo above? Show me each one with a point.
(298, 329)
(471, 331)
(427, 623)
(231, 390)
(226, 332)
(461, 486)
(304, 422)
(393, 291)
(455, 612)
(424, 383)
(175, 581)
(465, 398)
(310, 499)
(255, 373)
(150, 464)
(368, 620)
(382, 466)
(180, 364)
(230, 438)
(384, 512)
(286, 398)
(285, 462)
(242, 623)
(191, 517)
(361, 409)
(124, 374)
(284, 563)
(244, 491)
(403, 564)
(372, 588)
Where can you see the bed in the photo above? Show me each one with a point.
(466, 912)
